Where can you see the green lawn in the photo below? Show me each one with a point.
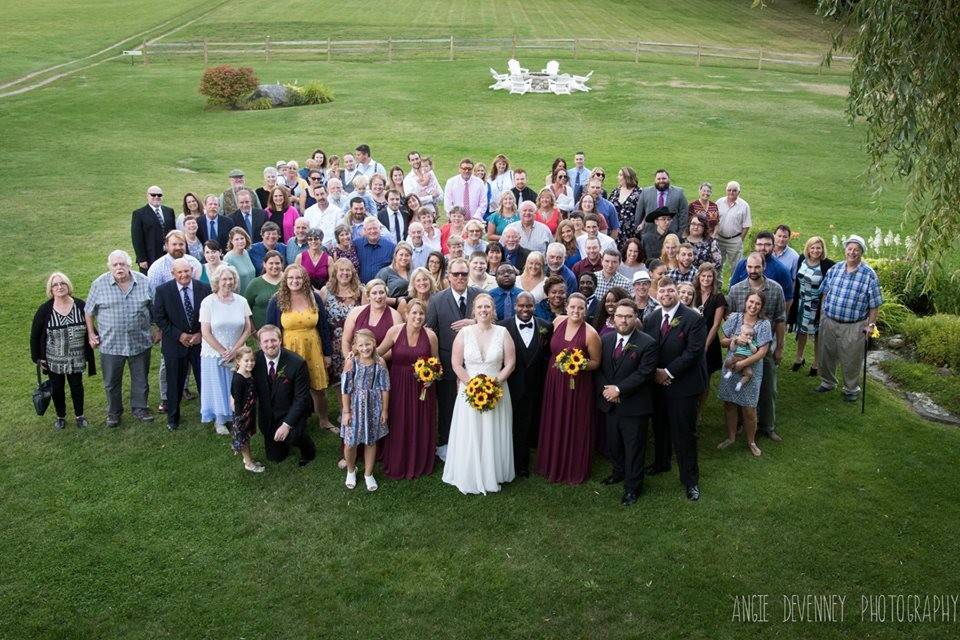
(136, 533)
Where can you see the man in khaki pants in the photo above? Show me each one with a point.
(850, 298)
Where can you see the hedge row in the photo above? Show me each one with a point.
(936, 338)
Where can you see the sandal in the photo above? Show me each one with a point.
(351, 481)
(254, 467)
(798, 365)
(755, 450)
(726, 443)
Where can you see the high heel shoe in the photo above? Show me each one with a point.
(798, 365)
(814, 372)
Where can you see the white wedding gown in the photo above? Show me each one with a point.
(480, 449)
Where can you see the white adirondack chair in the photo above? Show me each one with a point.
(560, 85)
(501, 80)
(519, 84)
(552, 68)
(515, 69)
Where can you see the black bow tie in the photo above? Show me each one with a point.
(526, 325)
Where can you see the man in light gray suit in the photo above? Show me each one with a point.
(662, 194)
(447, 312)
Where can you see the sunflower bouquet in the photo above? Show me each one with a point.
(428, 371)
(571, 362)
(483, 392)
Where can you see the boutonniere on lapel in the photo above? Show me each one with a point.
(282, 375)
(631, 351)
(675, 323)
(543, 331)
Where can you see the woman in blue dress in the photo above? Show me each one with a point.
(805, 312)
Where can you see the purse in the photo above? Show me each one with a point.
(42, 394)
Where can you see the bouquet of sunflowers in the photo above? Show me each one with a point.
(483, 392)
(427, 371)
(571, 362)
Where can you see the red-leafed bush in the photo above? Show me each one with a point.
(227, 86)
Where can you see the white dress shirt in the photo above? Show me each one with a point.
(326, 220)
(526, 334)
(733, 218)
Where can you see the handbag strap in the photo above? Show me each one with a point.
(38, 374)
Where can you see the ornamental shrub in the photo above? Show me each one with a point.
(316, 93)
(936, 339)
(892, 314)
(259, 104)
(892, 274)
(227, 86)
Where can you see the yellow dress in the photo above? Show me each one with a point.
(300, 336)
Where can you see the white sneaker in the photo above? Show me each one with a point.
(351, 479)
(727, 375)
(254, 467)
(221, 429)
(371, 483)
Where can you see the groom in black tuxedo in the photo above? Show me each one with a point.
(531, 338)
(283, 398)
(625, 386)
(681, 377)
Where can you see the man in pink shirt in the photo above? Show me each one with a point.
(466, 191)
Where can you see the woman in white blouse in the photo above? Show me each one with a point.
(500, 179)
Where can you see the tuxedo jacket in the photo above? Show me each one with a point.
(171, 317)
(224, 224)
(442, 310)
(259, 216)
(148, 235)
(675, 201)
(526, 381)
(680, 351)
(632, 373)
(286, 399)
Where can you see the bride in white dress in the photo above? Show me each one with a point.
(480, 449)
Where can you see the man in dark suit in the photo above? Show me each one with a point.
(447, 312)
(393, 218)
(662, 194)
(681, 377)
(176, 310)
(149, 227)
(520, 190)
(531, 337)
(248, 217)
(213, 226)
(283, 398)
(513, 253)
(625, 385)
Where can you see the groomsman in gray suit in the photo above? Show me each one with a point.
(447, 313)
(662, 194)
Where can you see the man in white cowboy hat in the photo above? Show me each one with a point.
(849, 299)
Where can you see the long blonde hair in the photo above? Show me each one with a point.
(333, 285)
(284, 295)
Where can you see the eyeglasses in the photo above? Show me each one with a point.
(600, 174)
(458, 274)
(314, 177)
(466, 168)
(562, 176)
(156, 195)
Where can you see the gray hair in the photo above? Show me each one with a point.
(180, 262)
(119, 253)
(733, 184)
(511, 231)
(334, 181)
(556, 247)
(707, 185)
(215, 277)
(270, 171)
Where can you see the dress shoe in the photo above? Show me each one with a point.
(162, 408)
(693, 493)
(60, 424)
(172, 426)
(82, 422)
(654, 470)
(629, 498)
(189, 395)
(304, 462)
(823, 389)
(143, 415)
(773, 435)
(612, 479)
(113, 420)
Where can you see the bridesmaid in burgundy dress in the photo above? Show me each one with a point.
(410, 447)
(377, 316)
(568, 416)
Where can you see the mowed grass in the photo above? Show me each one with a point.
(137, 533)
(783, 25)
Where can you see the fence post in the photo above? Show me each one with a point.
(206, 54)
(513, 51)
(451, 47)
(144, 50)
(760, 60)
(390, 49)
(575, 47)
(636, 57)
(699, 47)
(266, 48)
(329, 49)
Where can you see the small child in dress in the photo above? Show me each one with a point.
(743, 347)
(365, 396)
(686, 293)
(243, 397)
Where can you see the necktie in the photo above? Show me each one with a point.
(272, 372)
(396, 223)
(665, 327)
(619, 350)
(526, 325)
(508, 305)
(187, 305)
(159, 213)
(660, 200)
(247, 221)
(212, 230)
(463, 307)
(466, 199)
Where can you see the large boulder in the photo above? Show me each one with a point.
(278, 94)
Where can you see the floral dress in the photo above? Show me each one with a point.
(626, 214)
(365, 385)
(706, 250)
(337, 312)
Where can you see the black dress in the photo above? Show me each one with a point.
(714, 355)
(244, 393)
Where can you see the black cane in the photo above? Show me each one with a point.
(863, 394)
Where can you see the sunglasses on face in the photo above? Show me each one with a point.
(156, 195)
(458, 274)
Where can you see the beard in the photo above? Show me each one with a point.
(662, 187)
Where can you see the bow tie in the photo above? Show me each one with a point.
(526, 325)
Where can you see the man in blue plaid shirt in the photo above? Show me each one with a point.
(850, 299)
